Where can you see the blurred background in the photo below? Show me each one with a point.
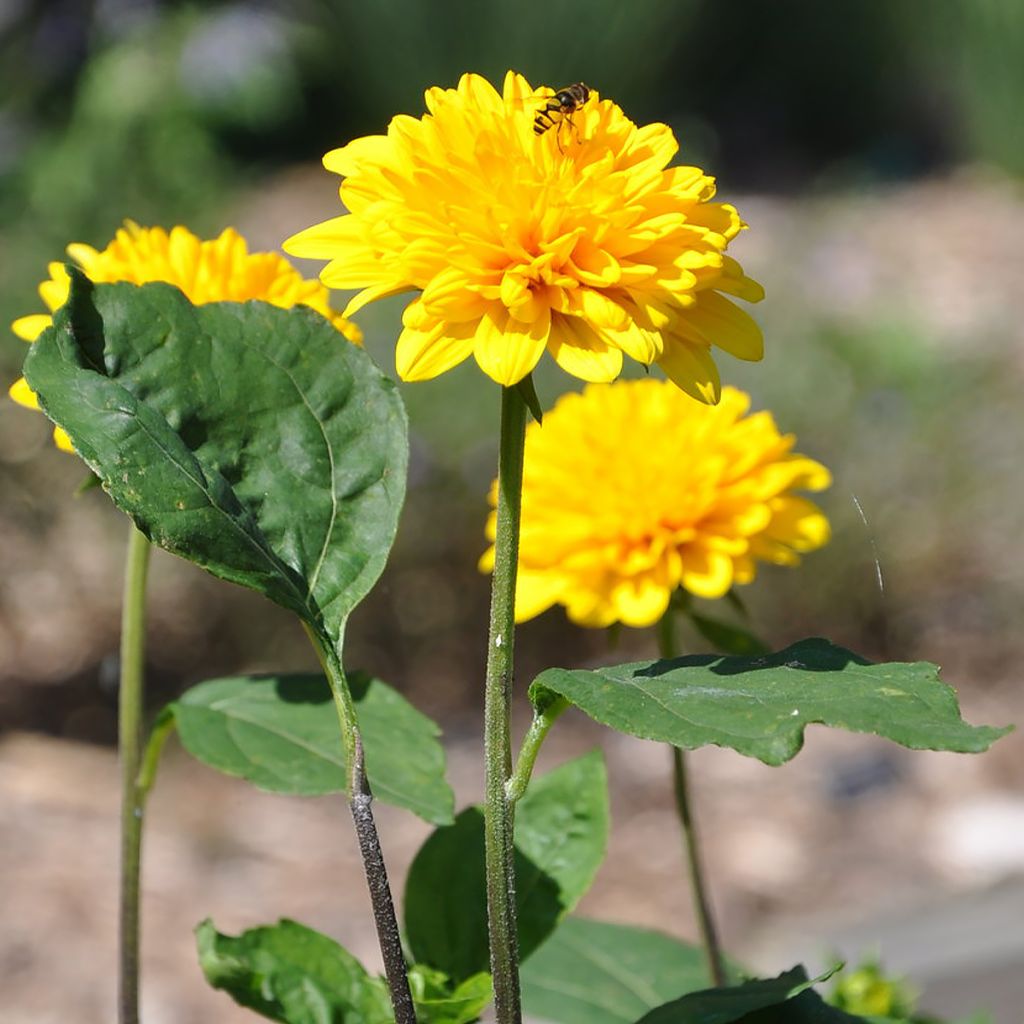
(876, 149)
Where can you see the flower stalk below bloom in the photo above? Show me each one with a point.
(499, 807)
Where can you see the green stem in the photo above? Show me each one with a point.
(129, 719)
(542, 722)
(698, 884)
(499, 851)
(360, 802)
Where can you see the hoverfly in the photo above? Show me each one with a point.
(561, 107)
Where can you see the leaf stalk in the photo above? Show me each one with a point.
(535, 736)
(360, 801)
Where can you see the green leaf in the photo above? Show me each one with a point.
(437, 1002)
(290, 973)
(254, 441)
(787, 999)
(529, 395)
(760, 706)
(282, 734)
(561, 833)
(590, 972)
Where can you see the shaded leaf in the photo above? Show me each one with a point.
(254, 441)
(561, 831)
(760, 706)
(281, 733)
(591, 972)
(787, 999)
(290, 973)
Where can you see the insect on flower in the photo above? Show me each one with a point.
(560, 108)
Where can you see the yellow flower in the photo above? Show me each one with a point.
(219, 270)
(631, 490)
(580, 241)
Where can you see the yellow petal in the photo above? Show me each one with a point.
(640, 601)
(423, 355)
(322, 241)
(23, 394)
(371, 294)
(799, 524)
(597, 309)
(718, 322)
(62, 441)
(691, 368)
(638, 342)
(449, 295)
(706, 573)
(507, 349)
(536, 592)
(30, 327)
(579, 350)
(735, 282)
(372, 149)
(55, 291)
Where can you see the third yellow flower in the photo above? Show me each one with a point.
(631, 490)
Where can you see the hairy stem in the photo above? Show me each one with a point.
(698, 883)
(499, 851)
(360, 801)
(129, 723)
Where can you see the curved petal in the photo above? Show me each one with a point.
(536, 592)
(322, 241)
(423, 355)
(55, 291)
(346, 160)
(30, 327)
(508, 349)
(691, 368)
(62, 441)
(718, 322)
(371, 294)
(641, 601)
(579, 350)
(21, 393)
(706, 573)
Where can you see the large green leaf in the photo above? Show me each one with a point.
(290, 973)
(759, 706)
(787, 999)
(282, 733)
(254, 441)
(591, 972)
(561, 831)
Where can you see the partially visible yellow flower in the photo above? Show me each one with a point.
(218, 270)
(631, 490)
(580, 241)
